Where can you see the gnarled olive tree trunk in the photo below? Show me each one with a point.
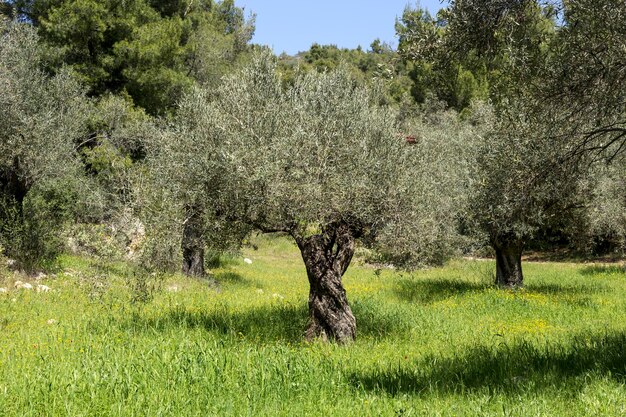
(193, 243)
(327, 257)
(508, 261)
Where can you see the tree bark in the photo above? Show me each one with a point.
(508, 262)
(193, 243)
(327, 257)
(12, 184)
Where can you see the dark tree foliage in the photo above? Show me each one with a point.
(436, 73)
(475, 49)
(151, 50)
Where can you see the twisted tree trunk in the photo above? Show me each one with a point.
(193, 243)
(508, 261)
(327, 257)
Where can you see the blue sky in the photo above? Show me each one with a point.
(292, 26)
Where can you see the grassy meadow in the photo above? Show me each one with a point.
(106, 342)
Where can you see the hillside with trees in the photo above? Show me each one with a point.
(145, 143)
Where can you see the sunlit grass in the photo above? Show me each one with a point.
(435, 342)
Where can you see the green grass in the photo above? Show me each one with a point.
(435, 342)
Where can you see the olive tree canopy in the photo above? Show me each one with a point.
(587, 78)
(39, 117)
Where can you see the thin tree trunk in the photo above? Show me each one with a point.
(193, 244)
(327, 257)
(13, 190)
(12, 184)
(508, 262)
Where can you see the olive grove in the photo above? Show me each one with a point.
(497, 122)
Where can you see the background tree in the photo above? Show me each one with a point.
(41, 119)
(587, 77)
(138, 53)
(603, 226)
(584, 93)
(151, 50)
(436, 73)
(522, 182)
(521, 188)
(184, 198)
(379, 64)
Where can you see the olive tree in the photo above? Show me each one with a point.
(574, 115)
(522, 186)
(605, 214)
(183, 197)
(586, 78)
(323, 162)
(565, 112)
(523, 181)
(587, 85)
(41, 118)
(556, 90)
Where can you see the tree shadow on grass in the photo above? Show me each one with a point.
(573, 295)
(276, 321)
(376, 320)
(234, 278)
(430, 290)
(562, 289)
(281, 322)
(603, 269)
(272, 322)
(556, 293)
(507, 369)
(111, 269)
